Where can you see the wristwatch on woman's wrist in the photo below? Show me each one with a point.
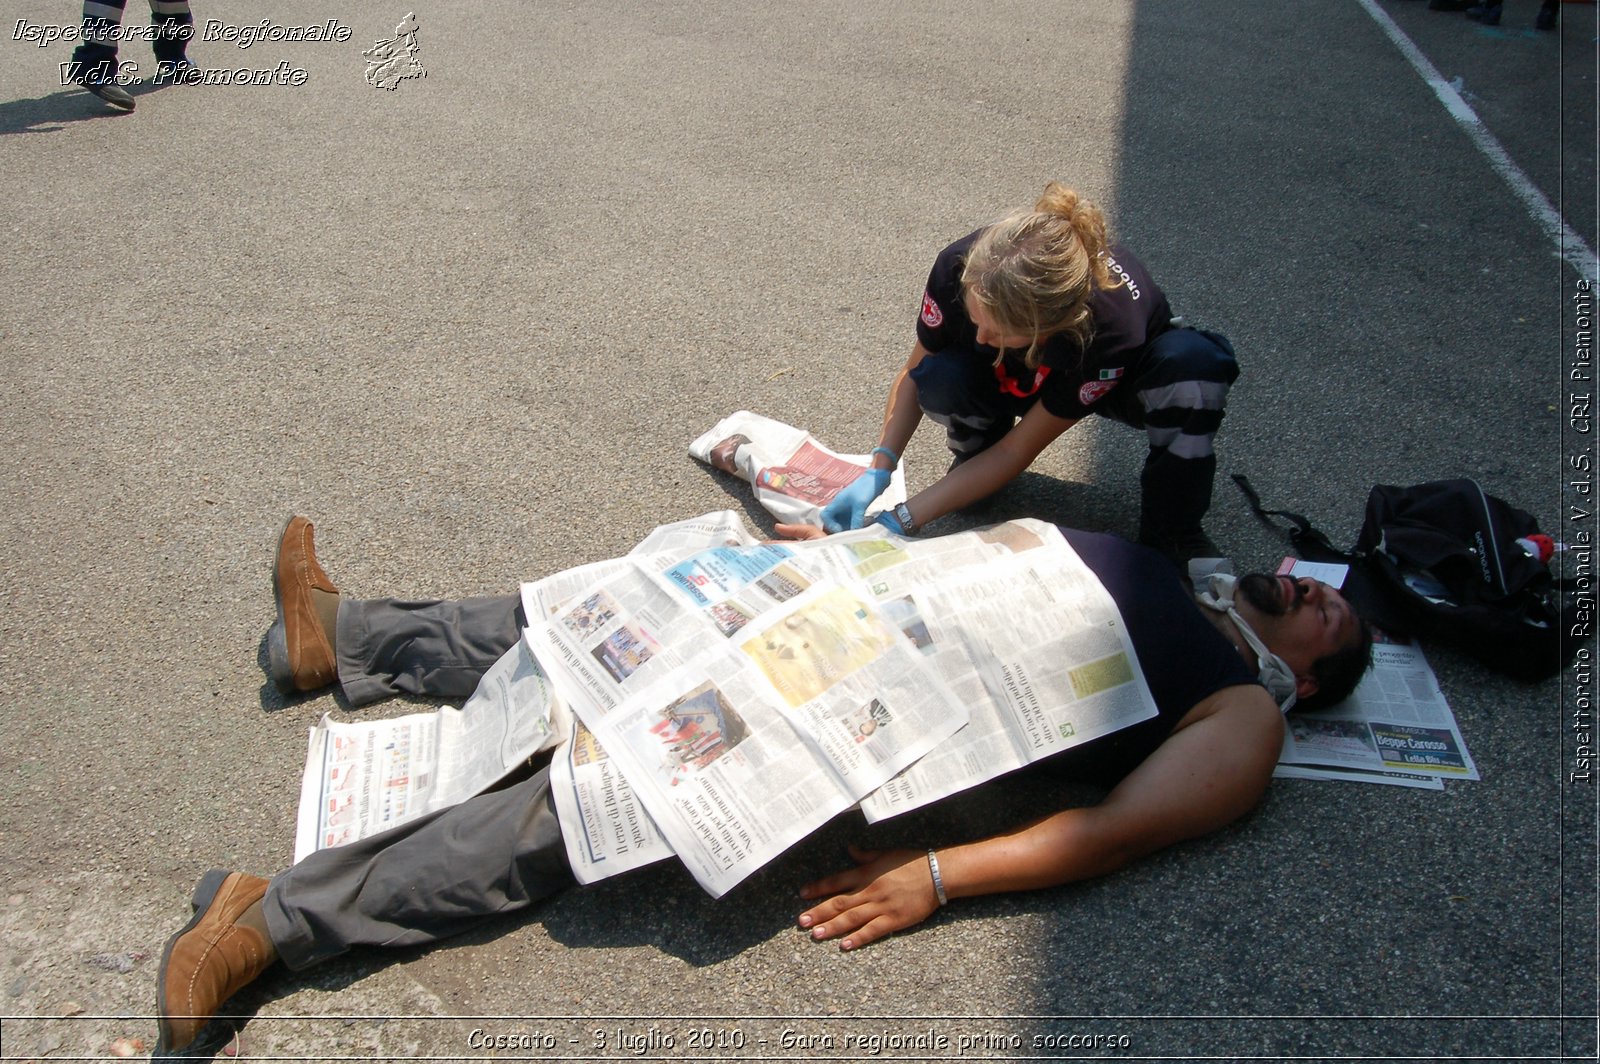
(902, 513)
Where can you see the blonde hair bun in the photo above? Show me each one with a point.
(1086, 220)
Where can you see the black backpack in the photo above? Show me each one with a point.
(1442, 561)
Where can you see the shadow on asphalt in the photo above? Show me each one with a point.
(48, 114)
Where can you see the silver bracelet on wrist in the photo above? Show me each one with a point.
(938, 880)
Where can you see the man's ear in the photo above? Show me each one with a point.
(1305, 685)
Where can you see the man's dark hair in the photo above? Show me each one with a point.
(1338, 673)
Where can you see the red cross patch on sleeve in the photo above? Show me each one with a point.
(932, 316)
(1093, 391)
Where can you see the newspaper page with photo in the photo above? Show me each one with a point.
(606, 830)
(365, 777)
(1036, 649)
(543, 597)
(742, 734)
(917, 584)
(1396, 728)
(662, 547)
(1396, 721)
(794, 476)
(605, 827)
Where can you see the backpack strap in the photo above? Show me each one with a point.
(1303, 536)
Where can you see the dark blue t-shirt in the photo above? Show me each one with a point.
(1184, 657)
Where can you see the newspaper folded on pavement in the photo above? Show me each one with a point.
(368, 776)
(794, 476)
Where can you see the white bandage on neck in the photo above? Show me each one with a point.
(1216, 592)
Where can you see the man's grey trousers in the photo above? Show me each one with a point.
(441, 874)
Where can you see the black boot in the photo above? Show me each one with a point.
(94, 66)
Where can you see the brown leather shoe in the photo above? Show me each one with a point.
(299, 652)
(211, 959)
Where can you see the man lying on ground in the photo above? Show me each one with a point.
(1200, 763)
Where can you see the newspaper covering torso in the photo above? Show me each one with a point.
(747, 695)
(1010, 610)
(1038, 651)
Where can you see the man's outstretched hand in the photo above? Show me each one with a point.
(887, 891)
(798, 531)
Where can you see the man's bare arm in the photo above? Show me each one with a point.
(1210, 771)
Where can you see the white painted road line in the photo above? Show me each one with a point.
(1569, 245)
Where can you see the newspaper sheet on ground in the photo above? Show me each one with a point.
(1343, 775)
(368, 776)
(794, 476)
(747, 695)
(1396, 722)
(1036, 649)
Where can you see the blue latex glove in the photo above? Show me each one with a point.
(888, 520)
(849, 508)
